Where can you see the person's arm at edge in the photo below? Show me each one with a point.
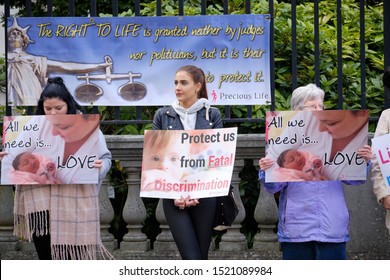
(105, 157)
(378, 185)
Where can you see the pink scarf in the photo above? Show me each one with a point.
(73, 222)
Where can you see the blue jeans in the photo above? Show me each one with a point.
(313, 250)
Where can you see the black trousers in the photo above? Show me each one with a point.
(192, 227)
(42, 246)
(42, 242)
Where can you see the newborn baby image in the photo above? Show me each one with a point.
(298, 165)
(31, 168)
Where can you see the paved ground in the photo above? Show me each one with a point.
(244, 255)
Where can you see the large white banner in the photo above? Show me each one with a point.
(124, 61)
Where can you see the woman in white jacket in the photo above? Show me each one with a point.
(380, 189)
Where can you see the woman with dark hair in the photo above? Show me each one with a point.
(57, 89)
(63, 220)
(190, 220)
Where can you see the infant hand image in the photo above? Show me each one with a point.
(50, 166)
(317, 163)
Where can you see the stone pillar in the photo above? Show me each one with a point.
(233, 239)
(7, 240)
(106, 216)
(164, 241)
(266, 214)
(249, 147)
(128, 150)
(134, 214)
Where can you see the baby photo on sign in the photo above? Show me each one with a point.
(50, 149)
(316, 145)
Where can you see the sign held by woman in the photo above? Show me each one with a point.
(37, 154)
(316, 145)
(198, 163)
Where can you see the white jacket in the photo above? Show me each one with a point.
(379, 187)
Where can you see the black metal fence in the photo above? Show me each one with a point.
(249, 117)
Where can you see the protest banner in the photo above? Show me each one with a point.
(38, 149)
(316, 145)
(380, 146)
(198, 163)
(122, 61)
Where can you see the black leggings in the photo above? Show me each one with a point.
(42, 242)
(42, 246)
(192, 227)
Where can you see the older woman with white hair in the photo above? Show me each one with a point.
(309, 97)
(313, 215)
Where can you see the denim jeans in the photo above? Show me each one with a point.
(313, 250)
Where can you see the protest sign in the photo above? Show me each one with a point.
(316, 145)
(380, 146)
(52, 149)
(198, 163)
